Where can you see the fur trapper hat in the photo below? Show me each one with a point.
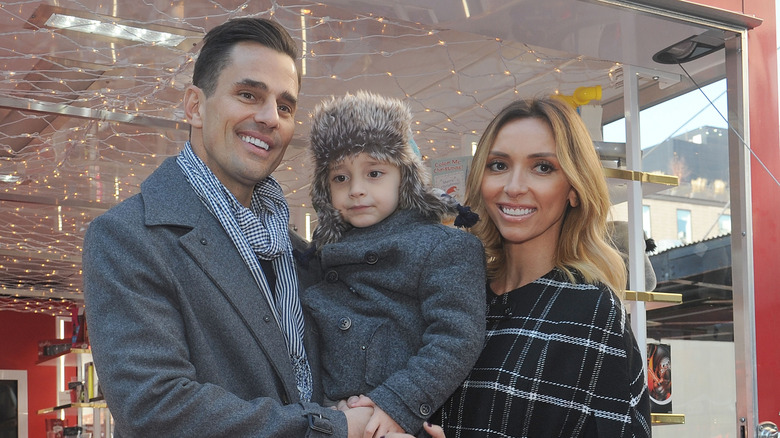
(382, 128)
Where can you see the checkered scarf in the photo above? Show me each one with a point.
(259, 232)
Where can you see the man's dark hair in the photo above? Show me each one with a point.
(218, 44)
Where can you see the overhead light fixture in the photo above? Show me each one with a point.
(114, 30)
(111, 28)
(691, 48)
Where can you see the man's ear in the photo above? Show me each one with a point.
(193, 98)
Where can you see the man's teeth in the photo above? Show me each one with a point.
(517, 211)
(255, 141)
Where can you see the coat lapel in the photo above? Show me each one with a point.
(211, 248)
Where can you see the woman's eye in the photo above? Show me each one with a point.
(497, 166)
(544, 167)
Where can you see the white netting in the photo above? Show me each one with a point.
(84, 119)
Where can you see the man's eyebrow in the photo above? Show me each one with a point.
(290, 98)
(246, 82)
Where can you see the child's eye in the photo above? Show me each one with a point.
(339, 178)
(496, 166)
(375, 173)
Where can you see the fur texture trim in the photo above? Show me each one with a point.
(618, 231)
(380, 127)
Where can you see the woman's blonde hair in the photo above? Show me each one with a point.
(583, 246)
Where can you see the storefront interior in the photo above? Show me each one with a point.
(90, 95)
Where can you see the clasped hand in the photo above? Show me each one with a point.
(361, 410)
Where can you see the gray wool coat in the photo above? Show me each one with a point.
(400, 314)
(184, 343)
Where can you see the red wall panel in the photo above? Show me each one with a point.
(19, 336)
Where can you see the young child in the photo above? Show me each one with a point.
(400, 309)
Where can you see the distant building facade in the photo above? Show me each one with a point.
(698, 208)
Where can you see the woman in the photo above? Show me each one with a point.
(559, 357)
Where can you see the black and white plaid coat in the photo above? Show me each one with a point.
(560, 360)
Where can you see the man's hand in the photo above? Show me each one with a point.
(357, 419)
(380, 423)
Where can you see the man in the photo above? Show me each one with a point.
(190, 286)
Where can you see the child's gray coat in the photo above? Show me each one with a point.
(400, 314)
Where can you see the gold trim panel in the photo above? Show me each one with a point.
(645, 177)
(667, 418)
(654, 297)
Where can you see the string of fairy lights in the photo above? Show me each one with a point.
(85, 119)
(41, 306)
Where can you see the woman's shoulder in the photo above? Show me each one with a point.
(584, 295)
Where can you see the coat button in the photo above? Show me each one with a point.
(345, 323)
(425, 409)
(267, 318)
(332, 277)
(371, 257)
(203, 241)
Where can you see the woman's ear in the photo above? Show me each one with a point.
(193, 97)
(574, 200)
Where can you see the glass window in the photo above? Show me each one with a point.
(724, 224)
(684, 225)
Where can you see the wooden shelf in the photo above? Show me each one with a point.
(654, 300)
(655, 297)
(70, 357)
(667, 419)
(90, 405)
(617, 181)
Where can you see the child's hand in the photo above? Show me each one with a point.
(380, 424)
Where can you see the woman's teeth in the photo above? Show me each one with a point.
(517, 211)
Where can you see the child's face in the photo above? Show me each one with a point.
(364, 190)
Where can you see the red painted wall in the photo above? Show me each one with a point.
(765, 143)
(19, 351)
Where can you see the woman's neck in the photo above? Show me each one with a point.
(523, 265)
